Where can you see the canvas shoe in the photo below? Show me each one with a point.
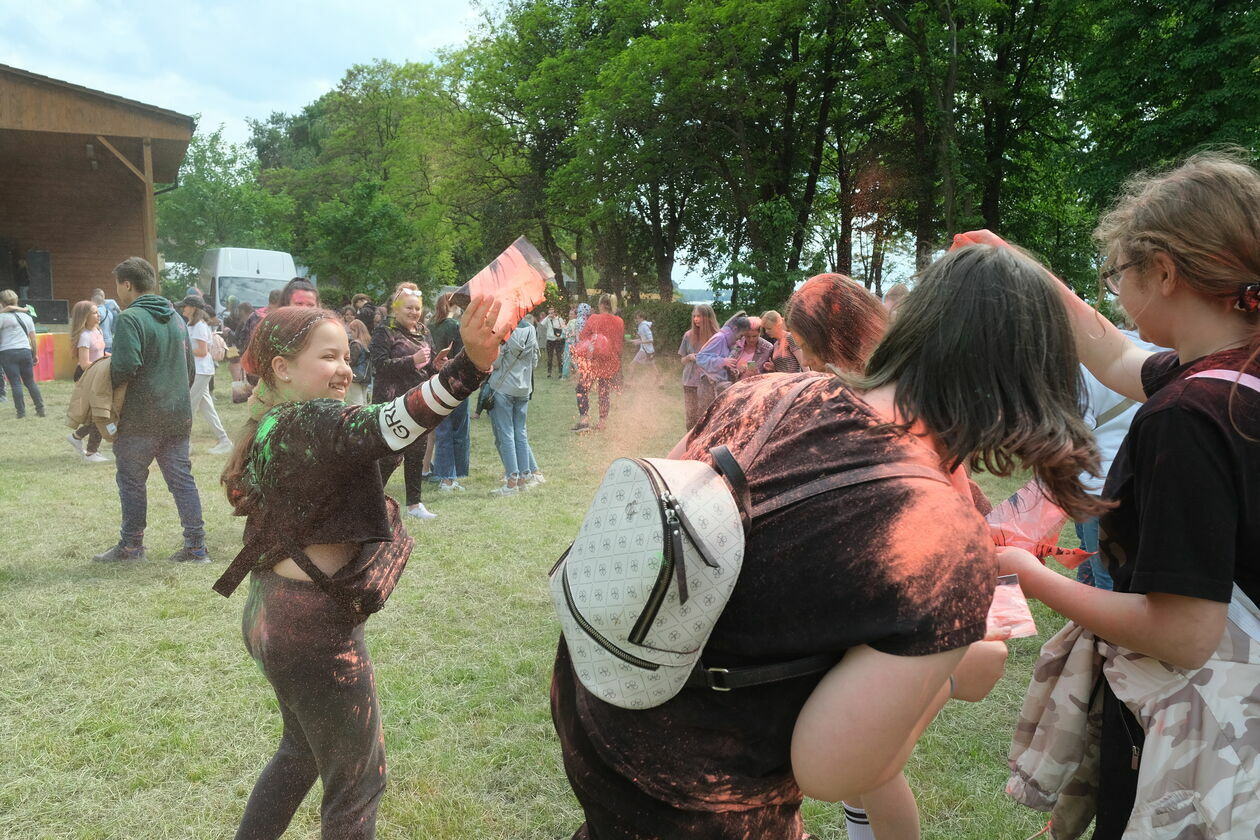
(120, 554)
(421, 512)
(450, 488)
(188, 554)
(77, 443)
(505, 490)
(532, 481)
(95, 458)
(539, 478)
(223, 447)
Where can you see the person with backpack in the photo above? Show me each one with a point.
(323, 548)
(1180, 534)
(889, 581)
(201, 342)
(597, 355)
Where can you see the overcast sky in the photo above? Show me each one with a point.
(223, 59)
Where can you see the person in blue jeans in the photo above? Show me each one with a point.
(1109, 415)
(153, 359)
(451, 439)
(512, 383)
(17, 360)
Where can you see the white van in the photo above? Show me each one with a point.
(247, 274)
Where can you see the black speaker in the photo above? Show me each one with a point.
(8, 264)
(50, 311)
(39, 275)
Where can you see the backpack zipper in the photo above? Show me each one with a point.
(597, 637)
(669, 527)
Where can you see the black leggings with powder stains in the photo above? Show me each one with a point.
(313, 655)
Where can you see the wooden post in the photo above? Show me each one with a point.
(150, 208)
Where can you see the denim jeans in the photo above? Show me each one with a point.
(510, 436)
(450, 453)
(132, 455)
(19, 367)
(1087, 533)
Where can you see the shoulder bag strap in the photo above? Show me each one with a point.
(732, 468)
(1114, 412)
(848, 478)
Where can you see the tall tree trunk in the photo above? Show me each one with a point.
(579, 266)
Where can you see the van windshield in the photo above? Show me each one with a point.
(252, 290)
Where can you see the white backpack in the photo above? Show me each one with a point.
(656, 559)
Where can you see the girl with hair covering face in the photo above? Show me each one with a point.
(305, 474)
(893, 578)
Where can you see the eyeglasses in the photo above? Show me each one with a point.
(1111, 276)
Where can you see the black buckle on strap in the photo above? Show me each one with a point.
(715, 678)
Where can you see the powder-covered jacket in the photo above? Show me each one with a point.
(1200, 765)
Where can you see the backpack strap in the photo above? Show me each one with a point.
(1243, 380)
(728, 679)
(848, 478)
(732, 468)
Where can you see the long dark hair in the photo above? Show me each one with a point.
(982, 353)
(284, 332)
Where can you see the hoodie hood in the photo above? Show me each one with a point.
(156, 305)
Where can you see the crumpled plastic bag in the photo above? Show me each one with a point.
(1009, 616)
(1029, 520)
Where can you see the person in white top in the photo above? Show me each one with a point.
(647, 345)
(553, 336)
(89, 343)
(1109, 414)
(199, 337)
(17, 352)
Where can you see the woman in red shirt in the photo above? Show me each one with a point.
(597, 355)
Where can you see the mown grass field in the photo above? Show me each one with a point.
(130, 709)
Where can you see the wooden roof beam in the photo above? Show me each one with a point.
(135, 171)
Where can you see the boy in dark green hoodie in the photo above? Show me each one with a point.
(152, 358)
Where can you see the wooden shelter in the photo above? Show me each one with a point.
(77, 174)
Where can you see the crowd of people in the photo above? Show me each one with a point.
(977, 367)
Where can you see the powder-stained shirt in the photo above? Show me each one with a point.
(313, 464)
(906, 566)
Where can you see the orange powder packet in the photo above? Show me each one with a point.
(1009, 615)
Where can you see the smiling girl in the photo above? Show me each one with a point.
(305, 474)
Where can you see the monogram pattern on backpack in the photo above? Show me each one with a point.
(618, 568)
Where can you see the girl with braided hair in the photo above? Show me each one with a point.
(305, 472)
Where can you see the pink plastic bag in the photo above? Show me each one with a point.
(1029, 520)
(1009, 616)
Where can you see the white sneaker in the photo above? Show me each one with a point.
(533, 481)
(538, 478)
(77, 443)
(95, 458)
(450, 488)
(223, 447)
(505, 490)
(421, 512)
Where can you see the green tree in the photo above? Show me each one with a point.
(219, 203)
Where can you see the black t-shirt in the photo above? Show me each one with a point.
(1188, 485)
(906, 566)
